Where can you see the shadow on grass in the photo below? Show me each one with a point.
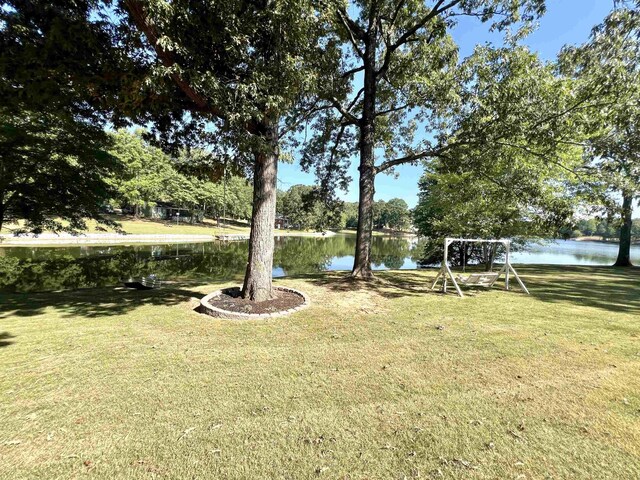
(93, 302)
(609, 288)
(5, 339)
(389, 284)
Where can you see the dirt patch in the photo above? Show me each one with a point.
(230, 300)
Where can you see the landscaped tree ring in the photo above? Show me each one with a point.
(214, 304)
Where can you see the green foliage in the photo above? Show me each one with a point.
(393, 214)
(414, 78)
(53, 171)
(148, 174)
(55, 90)
(606, 70)
(508, 158)
(350, 215)
(607, 228)
(221, 74)
(469, 206)
(305, 208)
(151, 176)
(511, 118)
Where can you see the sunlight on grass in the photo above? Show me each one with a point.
(374, 380)
(164, 227)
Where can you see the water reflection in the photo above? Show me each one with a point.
(26, 269)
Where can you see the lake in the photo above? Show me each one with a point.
(25, 269)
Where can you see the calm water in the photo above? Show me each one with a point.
(52, 268)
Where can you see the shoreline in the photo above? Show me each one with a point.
(88, 239)
(602, 240)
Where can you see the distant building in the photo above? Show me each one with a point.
(168, 211)
(281, 223)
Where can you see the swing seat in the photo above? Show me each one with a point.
(486, 279)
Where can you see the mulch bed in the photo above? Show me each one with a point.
(231, 301)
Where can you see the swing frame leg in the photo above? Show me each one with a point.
(443, 273)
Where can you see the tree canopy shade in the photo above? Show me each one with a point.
(53, 173)
(468, 205)
(607, 74)
(251, 67)
(53, 160)
(236, 73)
(507, 167)
(399, 63)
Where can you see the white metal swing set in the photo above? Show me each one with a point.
(485, 279)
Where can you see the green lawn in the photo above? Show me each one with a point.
(378, 381)
(146, 226)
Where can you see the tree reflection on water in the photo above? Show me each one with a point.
(28, 269)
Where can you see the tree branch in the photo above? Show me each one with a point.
(408, 159)
(302, 118)
(437, 152)
(352, 71)
(392, 110)
(136, 10)
(354, 30)
(543, 156)
(345, 113)
(437, 9)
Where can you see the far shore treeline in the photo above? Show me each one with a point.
(159, 108)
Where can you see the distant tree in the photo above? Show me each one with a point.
(397, 214)
(239, 196)
(588, 227)
(607, 73)
(148, 175)
(350, 215)
(452, 204)
(305, 208)
(379, 214)
(635, 228)
(393, 214)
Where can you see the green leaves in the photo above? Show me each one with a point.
(53, 171)
(606, 73)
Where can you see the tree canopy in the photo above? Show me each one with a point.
(606, 70)
(53, 148)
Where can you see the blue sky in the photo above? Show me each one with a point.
(566, 22)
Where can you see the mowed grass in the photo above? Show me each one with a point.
(143, 226)
(381, 380)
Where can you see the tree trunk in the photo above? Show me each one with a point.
(362, 260)
(624, 250)
(1, 208)
(257, 280)
(492, 258)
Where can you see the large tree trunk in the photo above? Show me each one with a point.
(1, 209)
(624, 250)
(257, 280)
(362, 261)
